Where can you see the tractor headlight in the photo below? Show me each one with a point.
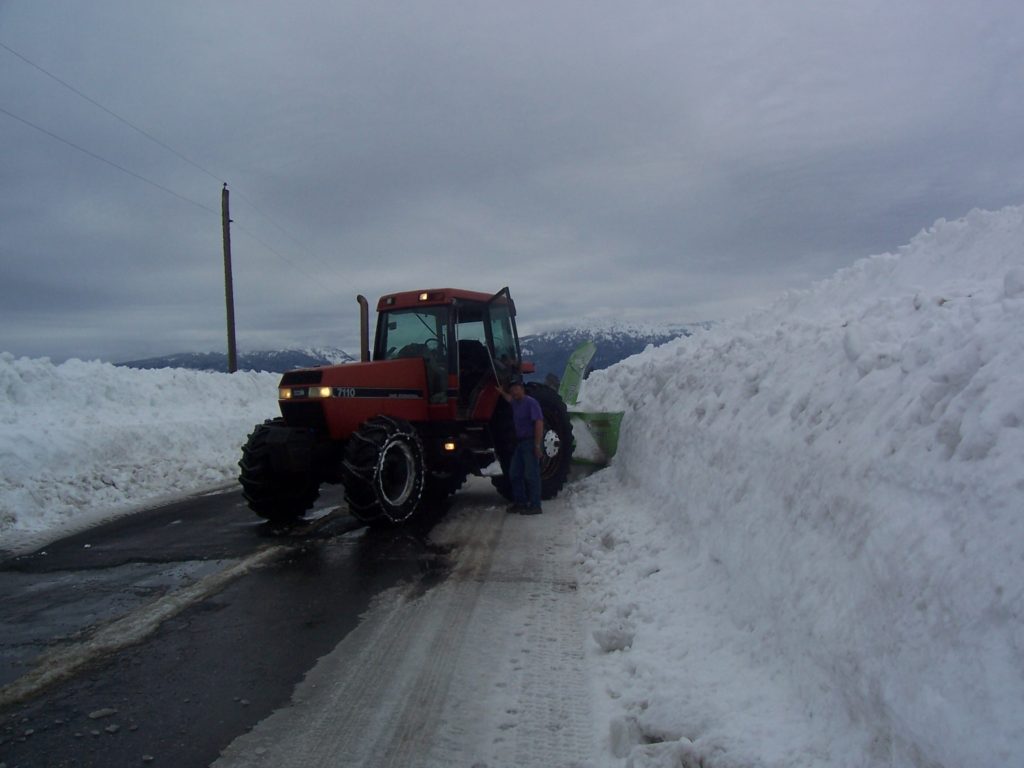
(291, 393)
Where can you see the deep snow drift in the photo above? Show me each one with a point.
(84, 440)
(809, 550)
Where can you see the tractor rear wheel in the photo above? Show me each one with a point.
(558, 442)
(384, 471)
(278, 497)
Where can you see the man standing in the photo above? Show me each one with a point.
(524, 467)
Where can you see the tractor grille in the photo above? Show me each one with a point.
(309, 415)
(302, 377)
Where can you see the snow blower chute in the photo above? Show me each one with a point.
(596, 433)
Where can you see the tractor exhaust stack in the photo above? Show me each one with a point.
(364, 328)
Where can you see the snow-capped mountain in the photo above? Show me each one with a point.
(549, 351)
(275, 361)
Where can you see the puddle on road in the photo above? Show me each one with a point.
(370, 555)
(39, 611)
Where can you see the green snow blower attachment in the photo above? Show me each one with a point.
(597, 434)
(597, 441)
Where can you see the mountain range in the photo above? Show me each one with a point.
(275, 361)
(548, 351)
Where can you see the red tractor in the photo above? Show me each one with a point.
(407, 428)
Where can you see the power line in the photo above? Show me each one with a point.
(172, 150)
(111, 163)
(163, 144)
(318, 280)
(284, 231)
(110, 112)
(162, 188)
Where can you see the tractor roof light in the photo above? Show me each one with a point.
(449, 445)
(284, 393)
(424, 296)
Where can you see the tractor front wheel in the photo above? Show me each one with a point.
(384, 471)
(277, 496)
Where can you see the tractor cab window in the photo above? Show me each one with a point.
(474, 359)
(418, 333)
(469, 323)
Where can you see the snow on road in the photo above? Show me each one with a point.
(490, 668)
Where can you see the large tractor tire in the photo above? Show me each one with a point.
(275, 496)
(558, 442)
(384, 471)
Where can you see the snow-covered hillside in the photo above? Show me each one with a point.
(84, 440)
(810, 548)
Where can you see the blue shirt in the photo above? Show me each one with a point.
(524, 413)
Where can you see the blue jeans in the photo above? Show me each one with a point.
(524, 474)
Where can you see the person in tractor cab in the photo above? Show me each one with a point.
(524, 468)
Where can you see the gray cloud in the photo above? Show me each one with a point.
(648, 161)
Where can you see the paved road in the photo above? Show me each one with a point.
(220, 617)
(492, 667)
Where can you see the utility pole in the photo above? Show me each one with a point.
(229, 289)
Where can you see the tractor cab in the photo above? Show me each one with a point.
(466, 340)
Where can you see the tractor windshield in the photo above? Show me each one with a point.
(417, 332)
(409, 332)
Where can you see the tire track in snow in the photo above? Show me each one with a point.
(486, 669)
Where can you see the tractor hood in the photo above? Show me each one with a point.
(338, 398)
(402, 376)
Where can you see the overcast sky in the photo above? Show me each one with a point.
(647, 161)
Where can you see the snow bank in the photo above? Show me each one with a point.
(83, 439)
(809, 549)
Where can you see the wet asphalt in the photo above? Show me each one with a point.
(212, 671)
